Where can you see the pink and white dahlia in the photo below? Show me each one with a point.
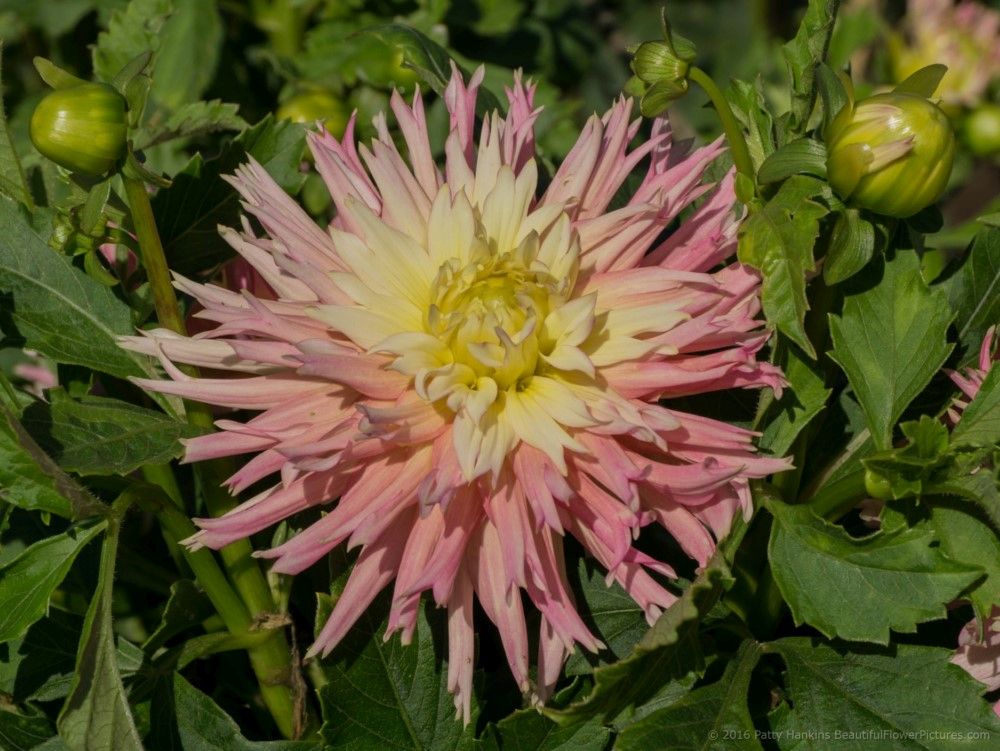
(468, 370)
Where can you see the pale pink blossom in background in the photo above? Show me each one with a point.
(980, 658)
(472, 369)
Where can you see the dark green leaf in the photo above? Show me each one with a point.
(27, 582)
(890, 340)
(132, 31)
(96, 714)
(859, 589)
(975, 482)
(801, 156)
(23, 732)
(100, 436)
(22, 481)
(196, 723)
(384, 695)
(974, 291)
(12, 182)
(528, 730)
(189, 212)
(58, 309)
(778, 239)
(670, 649)
(966, 538)
(905, 698)
(852, 245)
(194, 119)
(802, 401)
(980, 423)
(804, 53)
(186, 608)
(190, 43)
(715, 717)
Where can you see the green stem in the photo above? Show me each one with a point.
(730, 125)
(271, 660)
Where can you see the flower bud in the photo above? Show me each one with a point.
(877, 486)
(891, 153)
(82, 128)
(982, 130)
(316, 106)
(661, 70)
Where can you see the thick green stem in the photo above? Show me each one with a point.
(730, 125)
(271, 660)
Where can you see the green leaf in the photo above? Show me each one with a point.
(859, 589)
(890, 340)
(670, 649)
(100, 436)
(619, 621)
(96, 714)
(189, 47)
(750, 108)
(975, 482)
(384, 695)
(923, 82)
(710, 718)
(196, 723)
(430, 60)
(186, 608)
(804, 53)
(55, 307)
(905, 698)
(852, 245)
(132, 30)
(12, 181)
(778, 239)
(974, 291)
(22, 481)
(81, 503)
(529, 730)
(833, 92)
(802, 401)
(801, 156)
(189, 212)
(27, 582)
(23, 732)
(189, 120)
(970, 540)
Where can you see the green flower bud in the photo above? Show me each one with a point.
(661, 71)
(82, 128)
(313, 106)
(877, 486)
(891, 153)
(982, 130)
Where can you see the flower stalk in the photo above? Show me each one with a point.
(271, 660)
(730, 125)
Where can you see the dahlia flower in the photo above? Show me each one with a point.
(473, 370)
(980, 658)
(970, 380)
(964, 36)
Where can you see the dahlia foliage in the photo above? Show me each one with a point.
(468, 365)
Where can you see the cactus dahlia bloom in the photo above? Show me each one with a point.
(472, 370)
(964, 36)
(970, 380)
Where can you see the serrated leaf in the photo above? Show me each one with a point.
(190, 120)
(96, 714)
(804, 53)
(805, 398)
(28, 581)
(980, 422)
(55, 307)
(100, 436)
(670, 649)
(384, 695)
(189, 212)
(890, 340)
(977, 483)
(430, 60)
(528, 730)
(750, 108)
(22, 481)
(852, 245)
(906, 698)
(190, 43)
(131, 31)
(974, 291)
(968, 539)
(710, 718)
(12, 180)
(619, 621)
(860, 588)
(801, 156)
(196, 723)
(778, 240)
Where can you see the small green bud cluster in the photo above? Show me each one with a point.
(661, 71)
